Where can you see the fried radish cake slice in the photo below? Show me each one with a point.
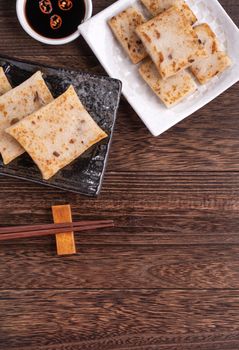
(155, 7)
(170, 91)
(216, 62)
(171, 42)
(58, 133)
(4, 83)
(16, 104)
(123, 26)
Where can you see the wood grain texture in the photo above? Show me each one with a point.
(113, 319)
(167, 277)
(187, 267)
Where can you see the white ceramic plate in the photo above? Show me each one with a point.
(149, 108)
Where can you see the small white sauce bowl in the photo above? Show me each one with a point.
(21, 14)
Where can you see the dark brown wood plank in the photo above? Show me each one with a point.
(178, 227)
(105, 266)
(133, 192)
(148, 208)
(80, 62)
(110, 320)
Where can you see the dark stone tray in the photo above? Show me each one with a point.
(100, 95)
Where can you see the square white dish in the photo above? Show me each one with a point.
(153, 113)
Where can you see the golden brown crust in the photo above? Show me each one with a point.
(170, 91)
(123, 26)
(17, 104)
(173, 44)
(204, 70)
(216, 62)
(155, 7)
(58, 133)
(207, 38)
(4, 83)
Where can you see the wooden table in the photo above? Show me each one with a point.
(168, 276)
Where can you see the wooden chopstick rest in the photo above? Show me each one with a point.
(63, 229)
(65, 242)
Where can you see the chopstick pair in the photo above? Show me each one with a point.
(15, 232)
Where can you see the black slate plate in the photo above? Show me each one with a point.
(100, 95)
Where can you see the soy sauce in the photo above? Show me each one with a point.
(55, 19)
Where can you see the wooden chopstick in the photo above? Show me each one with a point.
(53, 231)
(68, 226)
